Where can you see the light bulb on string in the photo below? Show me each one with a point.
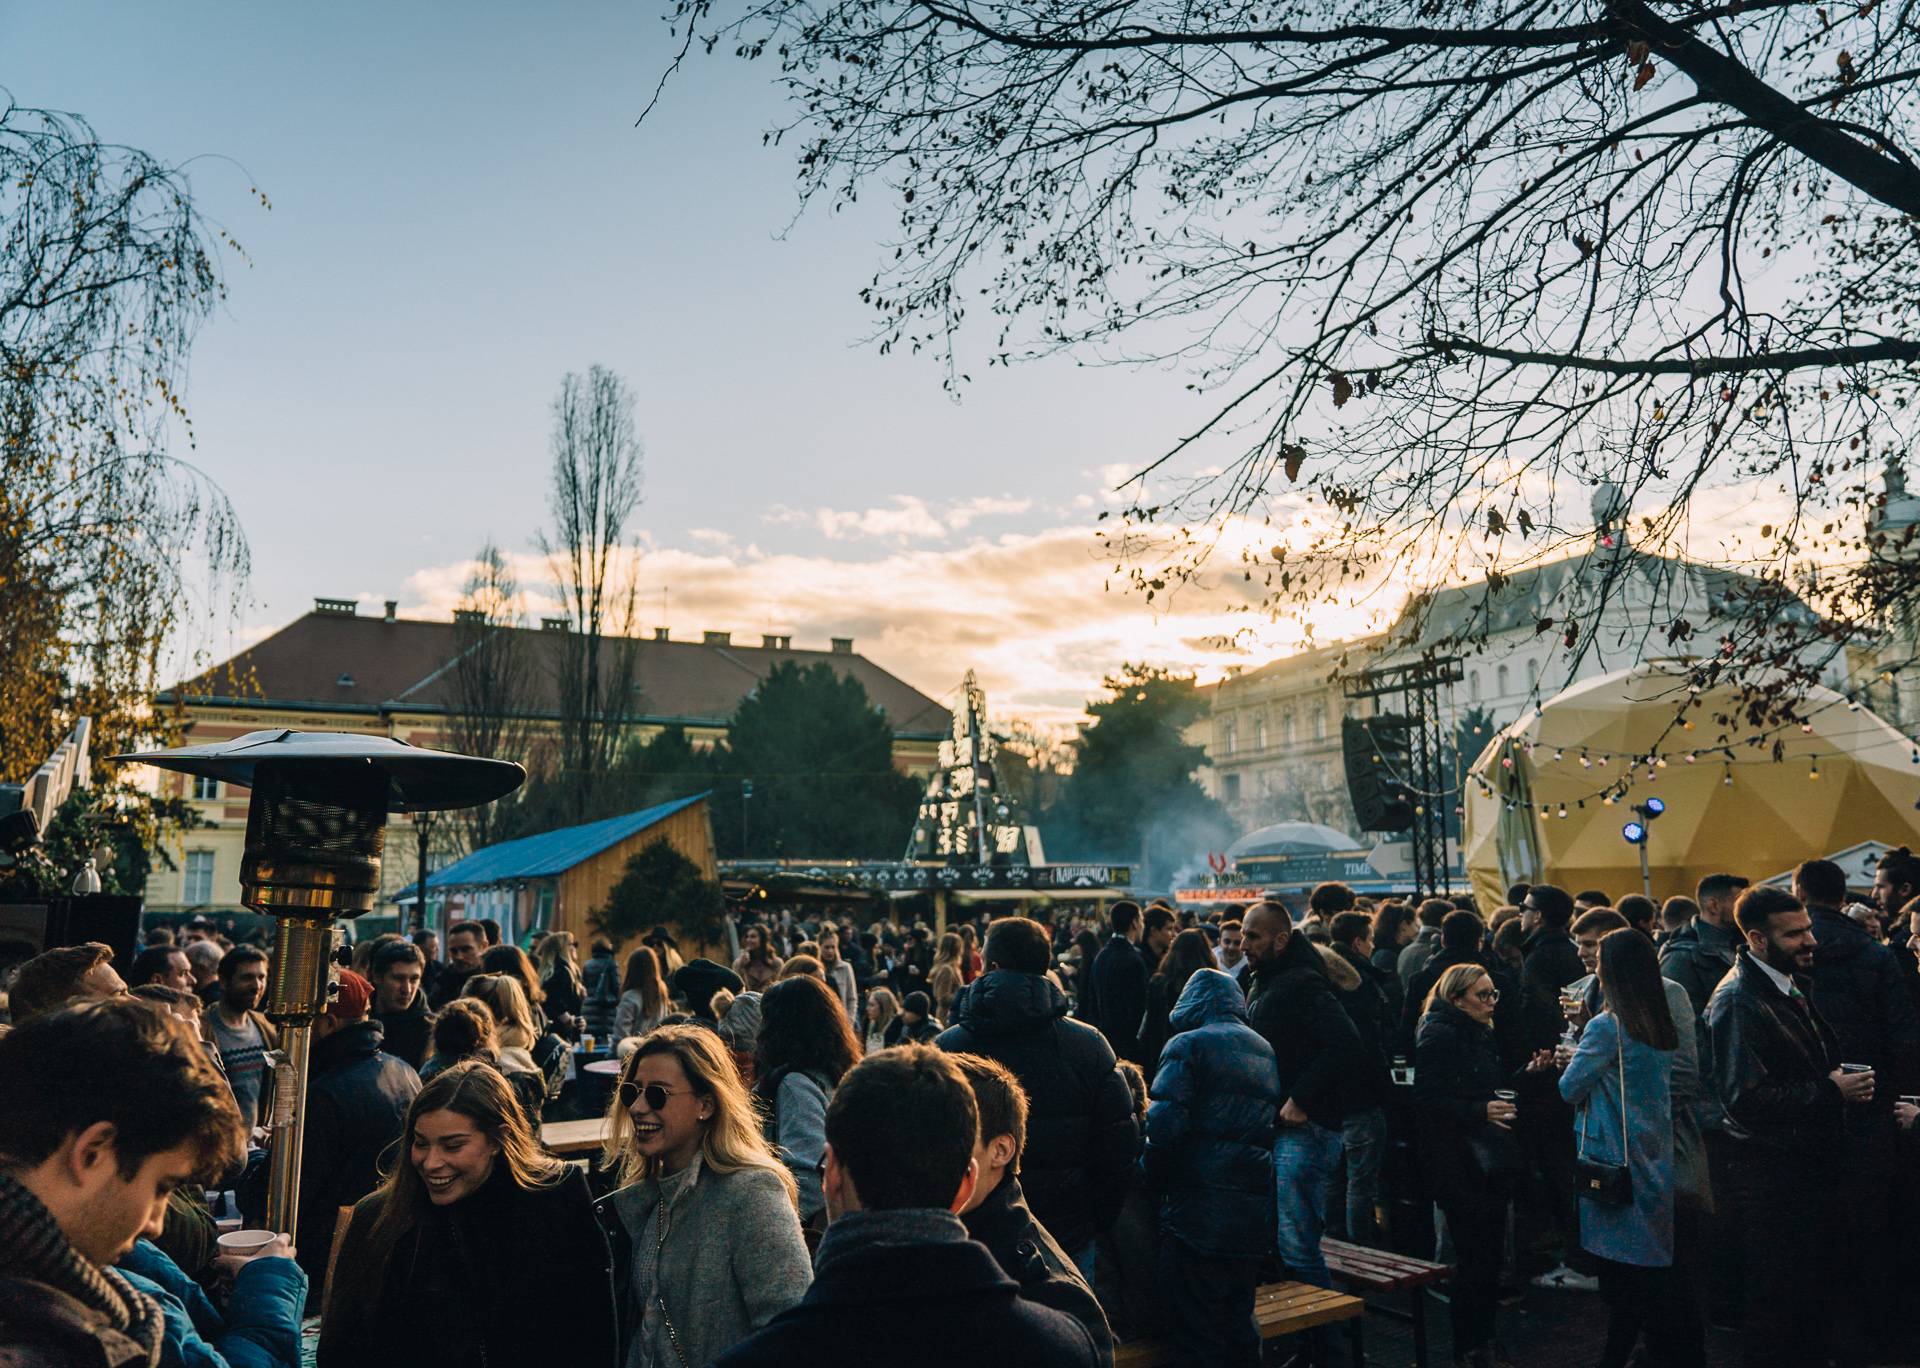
(1690, 757)
(1813, 771)
(1585, 763)
(1563, 811)
(1726, 777)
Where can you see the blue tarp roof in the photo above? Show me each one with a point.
(549, 853)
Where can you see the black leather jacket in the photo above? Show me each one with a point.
(1771, 1058)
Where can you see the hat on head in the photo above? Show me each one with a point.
(918, 1003)
(355, 996)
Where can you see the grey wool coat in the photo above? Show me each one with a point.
(732, 1259)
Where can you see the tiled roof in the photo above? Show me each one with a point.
(549, 853)
(368, 664)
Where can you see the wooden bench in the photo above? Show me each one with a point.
(1376, 1270)
(1287, 1308)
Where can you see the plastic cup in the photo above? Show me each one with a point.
(246, 1243)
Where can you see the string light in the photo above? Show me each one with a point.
(1813, 771)
(1563, 810)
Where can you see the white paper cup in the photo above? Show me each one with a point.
(245, 1243)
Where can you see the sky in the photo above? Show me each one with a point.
(463, 210)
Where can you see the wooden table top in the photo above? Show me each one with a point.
(574, 1137)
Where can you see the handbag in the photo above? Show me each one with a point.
(1495, 1153)
(1607, 1184)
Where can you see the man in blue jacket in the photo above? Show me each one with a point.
(1210, 1131)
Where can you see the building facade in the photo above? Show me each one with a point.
(334, 669)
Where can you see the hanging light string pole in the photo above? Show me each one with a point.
(1418, 686)
(316, 830)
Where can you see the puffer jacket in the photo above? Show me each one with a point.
(1081, 1138)
(1859, 991)
(1770, 1057)
(261, 1326)
(1318, 1051)
(1210, 1125)
(357, 1102)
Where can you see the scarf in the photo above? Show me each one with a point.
(857, 1230)
(33, 1248)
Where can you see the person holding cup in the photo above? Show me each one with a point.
(1467, 1144)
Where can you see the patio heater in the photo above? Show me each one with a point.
(316, 826)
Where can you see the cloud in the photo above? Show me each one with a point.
(1040, 616)
(908, 518)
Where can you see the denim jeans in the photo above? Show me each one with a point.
(1303, 1158)
(1353, 1188)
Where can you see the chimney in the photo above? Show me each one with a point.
(334, 607)
(393, 608)
(468, 617)
(660, 634)
(558, 624)
(843, 645)
(776, 643)
(716, 638)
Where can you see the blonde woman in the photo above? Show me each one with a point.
(706, 1233)
(514, 1037)
(558, 960)
(643, 996)
(945, 978)
(882, 1008)
(476, 1224)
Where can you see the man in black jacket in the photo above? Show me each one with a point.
(896, 1267)
(1860, 991)
(1115, 997)
(997, 1214)
(1776, 1069)
(1083, 1142)
(357, 1100)
(1354, 1192)
(400, 1002)
(1545, 1124)
(1319, 1056)
(1699, 954)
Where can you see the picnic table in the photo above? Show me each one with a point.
(1376, 1270)
(572, 1138)
(1285, 1308)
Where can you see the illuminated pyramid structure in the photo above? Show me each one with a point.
(964, 819)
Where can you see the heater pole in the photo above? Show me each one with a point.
(289, 1130)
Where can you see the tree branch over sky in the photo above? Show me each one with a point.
(1439, 270)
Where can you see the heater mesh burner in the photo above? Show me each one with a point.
(315, 834)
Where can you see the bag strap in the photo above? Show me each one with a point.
(1620, 1055)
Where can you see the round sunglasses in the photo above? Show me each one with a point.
(655, 1094)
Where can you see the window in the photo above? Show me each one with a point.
(1229, 737)
(1504, 684)
(196, 885)
(1473, 685)
(1260, 732)
(205, 786)
(1533, 674)
(1286, 727)
(1320, 722)
(1230, 787)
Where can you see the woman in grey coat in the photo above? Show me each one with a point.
(706, 1231)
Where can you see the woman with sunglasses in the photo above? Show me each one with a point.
(1467, 1145)
(706, 1229)
(474, 1226)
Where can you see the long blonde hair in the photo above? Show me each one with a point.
(557, 955)
(1453, 983)
(513, 1018)
(889, 1009)
(476, 1090)
(732, 1140)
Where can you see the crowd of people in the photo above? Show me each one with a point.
(1036, 1139)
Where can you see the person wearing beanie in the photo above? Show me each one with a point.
(357, 1099)
(915, 1024)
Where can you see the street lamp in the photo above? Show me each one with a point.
(316, 828)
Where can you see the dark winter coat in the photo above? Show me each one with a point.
(1509, 1024)
(1314, 1043)
(1211, 1123)
(1114, 997)
(601, 975)
(1697, 957)
(1457, 1066)
(1553, 961)
(1081, 1138)
(408, 1035)
(894, 1287)
(900, 1033)
(1364, 997)
(509, 1275)
(357, 1100)
(1860, 993)
(1028, 1254)
(1771, 1055)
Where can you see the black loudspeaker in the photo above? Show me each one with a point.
(1378, 757)
(26, 929)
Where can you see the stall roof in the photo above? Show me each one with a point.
(548, 854)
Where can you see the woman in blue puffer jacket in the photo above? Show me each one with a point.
(1210, 1127)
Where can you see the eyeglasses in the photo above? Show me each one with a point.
(1486, 995)
(655, 1094)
